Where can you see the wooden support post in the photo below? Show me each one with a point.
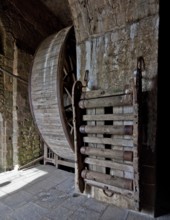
(78, 139)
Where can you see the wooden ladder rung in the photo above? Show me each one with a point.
(107, 129)
(108, 153)
(109, 117)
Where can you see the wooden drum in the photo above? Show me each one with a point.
(50, 86)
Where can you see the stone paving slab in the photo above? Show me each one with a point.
(113, 212)
(17, 199)
(4, 211)
(30, 211)
(47, 193)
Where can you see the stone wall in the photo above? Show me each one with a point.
(28, 138)
(110, 36)
(19, 140)
(6, 62)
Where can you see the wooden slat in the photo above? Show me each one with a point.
(114, 154)
(110, 141)
(107, 129)
(99, 146)
(108, 117)
(108, 179)
(66, 163)
(101, 93)
(106, 102)
(109, 164)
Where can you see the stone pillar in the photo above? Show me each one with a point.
(2, 144)
(14, 111)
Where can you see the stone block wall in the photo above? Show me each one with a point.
(19, 139)
(110, 36)
(28, 137)
(6, 109)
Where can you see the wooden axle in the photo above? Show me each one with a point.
(107, 129)
(108, 179)
(107, 153)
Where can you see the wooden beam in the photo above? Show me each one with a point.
(109, 164)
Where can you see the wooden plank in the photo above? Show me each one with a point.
(110, 141)
(116, 110)
(107, 129)
(65, 163)
(106, 102)
(107, 153)
(91, 111)
(109, 164)
(101, 93)
(108, 117)
(108, 179)
(137, 133)
(100, 146)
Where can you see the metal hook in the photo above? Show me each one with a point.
(140, 63)
(107, 192)
(86, 77)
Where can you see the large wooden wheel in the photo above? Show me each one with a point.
(53, 74)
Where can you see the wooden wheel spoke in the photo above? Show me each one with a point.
(65, 72)
(72, 130)
(68, 107)
(66, 65)
(68, 93)
(73, 76)
(71, 127)
(71, 63)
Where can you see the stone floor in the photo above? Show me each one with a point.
(46, 193)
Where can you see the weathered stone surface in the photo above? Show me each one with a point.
(111, 58)
(19, 135)
(95, 18)
(27, 23)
